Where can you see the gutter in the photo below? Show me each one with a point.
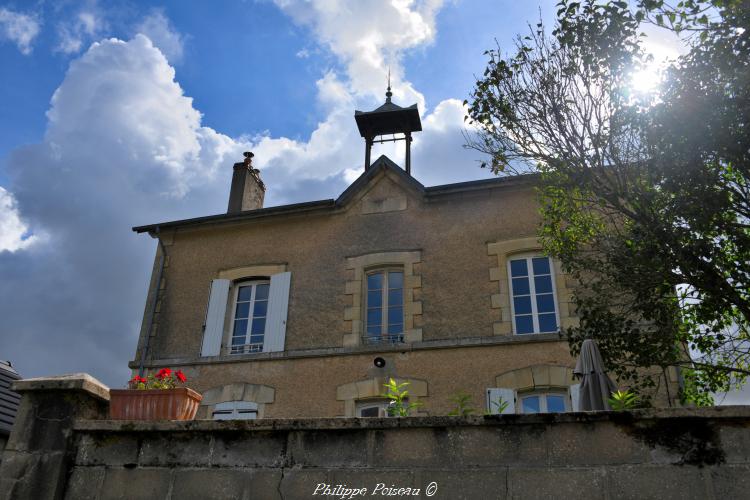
(144, 350)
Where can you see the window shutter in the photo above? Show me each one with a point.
(217, 308)
(235, 410)
(278, 302)
(575, 395)
(507, 395)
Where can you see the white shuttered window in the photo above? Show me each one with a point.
(257, 317)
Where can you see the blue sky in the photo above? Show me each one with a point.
(125, 113)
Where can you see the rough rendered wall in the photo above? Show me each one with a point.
(677, 454)
(451, 233)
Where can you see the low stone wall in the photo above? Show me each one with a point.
(69, 450)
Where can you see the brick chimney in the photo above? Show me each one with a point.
(247, 189)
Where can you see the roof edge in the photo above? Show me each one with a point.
(382, 163)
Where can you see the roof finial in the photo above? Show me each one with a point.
(388, 93)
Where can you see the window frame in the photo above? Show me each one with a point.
(542, 395)
(528, 256)
(384, 335)
(233, 312)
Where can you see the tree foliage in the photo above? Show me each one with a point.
(645, 196)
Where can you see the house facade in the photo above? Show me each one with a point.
(306, 310)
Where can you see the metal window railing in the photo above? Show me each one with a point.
(245, 348)
(386, 338)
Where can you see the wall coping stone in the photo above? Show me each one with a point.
(69, 382)
(354, 350)
(339, 423)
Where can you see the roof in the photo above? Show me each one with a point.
(9, 400)
(388, 119)
(382, 163)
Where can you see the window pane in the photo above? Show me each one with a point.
(555, 403)
(242, 309)
(543, 284)
(240, 327)
(244, 293)
(547, 323)
(395, 279)
(530, 404)
(521, 286)
(545, 303)
(524, 324)
(374, 299)
(374, 316)
(369, 412)
(395, 297)
(259, 325)
(522, 305)
(373, 329)
(256, 339)
(395, 315)
(261, 291)
(396, 328)
(540, 265)
(260, 308)
(375, 281)
(518, 268)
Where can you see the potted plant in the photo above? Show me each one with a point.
(155, 397)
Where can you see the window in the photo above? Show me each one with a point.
(533, 295)
(249, 323)
(384, 306)
(246, 315)
(544, 402)
(235, 410)
(372, 408)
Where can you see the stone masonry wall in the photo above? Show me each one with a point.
(78, 454)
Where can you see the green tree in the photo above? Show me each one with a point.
(645, 196)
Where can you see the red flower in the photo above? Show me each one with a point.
(164, 373)
(181, 376)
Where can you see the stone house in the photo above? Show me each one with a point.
(305, 310)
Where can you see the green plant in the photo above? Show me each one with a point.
(623, 400)
(397, 393)
(499, 406)
(464, 404)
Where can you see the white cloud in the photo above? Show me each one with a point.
(368, 37)
(14, 233)
(123, 147)
(18, 28)
(72, 34)
(157, 27)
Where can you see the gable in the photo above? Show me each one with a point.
(384, 187)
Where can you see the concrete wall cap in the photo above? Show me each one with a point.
(70, 382)
(741, 413)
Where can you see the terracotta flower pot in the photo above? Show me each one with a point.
(180, 403)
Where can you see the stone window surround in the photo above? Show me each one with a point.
(505, 250)
(354, 288)
(238, 275)
(372, 388)
(536, 378)
(255, 393)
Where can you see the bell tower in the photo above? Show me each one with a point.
(388, 119)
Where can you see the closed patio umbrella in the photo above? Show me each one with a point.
(596, 387)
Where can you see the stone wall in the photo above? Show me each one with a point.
(63, 447)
